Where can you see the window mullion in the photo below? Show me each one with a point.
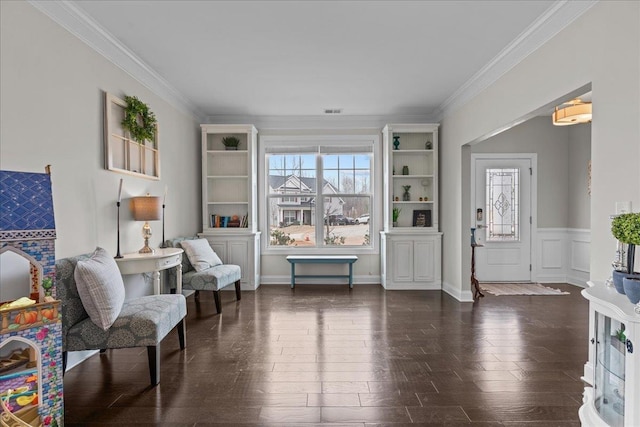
(319, 201)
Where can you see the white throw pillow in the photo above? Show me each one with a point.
(100, 287)
(200, 254)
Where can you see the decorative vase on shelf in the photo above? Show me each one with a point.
(406, 196)
(396, 142)
(428, 145)
(405, 170)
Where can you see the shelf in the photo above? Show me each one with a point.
(228, 203)
(218, 152)
(412, 176)
(401, 151)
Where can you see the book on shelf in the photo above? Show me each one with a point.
(222, 221)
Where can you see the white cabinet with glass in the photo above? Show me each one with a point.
(229, 186)
(613, 369)
(410, 241)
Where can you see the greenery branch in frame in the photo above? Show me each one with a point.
(139, 120)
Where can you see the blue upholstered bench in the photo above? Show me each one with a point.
(142, 322)
(322, 259)
(212, 279)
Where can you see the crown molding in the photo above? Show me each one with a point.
(319, 121)
(555, 19)
(81, 25)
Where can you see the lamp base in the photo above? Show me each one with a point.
(146, 249)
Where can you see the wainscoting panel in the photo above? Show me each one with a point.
(562, 255)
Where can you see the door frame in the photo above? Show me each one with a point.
(533, 158)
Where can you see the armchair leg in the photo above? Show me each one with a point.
(216, 297)
(182, 330)
(197, 295)
(238, 296)
(64, 362)
(153, 354)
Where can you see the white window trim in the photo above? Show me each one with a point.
(267, 142)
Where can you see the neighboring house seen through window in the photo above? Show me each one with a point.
(315, 193)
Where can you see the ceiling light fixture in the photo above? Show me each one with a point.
(333, 111)
(572, 112)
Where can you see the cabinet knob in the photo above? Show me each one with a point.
(629, 346)
(593, 340)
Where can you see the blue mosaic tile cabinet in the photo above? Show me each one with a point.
(31, 337)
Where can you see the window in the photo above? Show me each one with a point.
(315, 192)
(502, 205)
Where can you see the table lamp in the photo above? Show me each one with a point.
(146, 208)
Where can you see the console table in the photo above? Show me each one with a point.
(162, 259)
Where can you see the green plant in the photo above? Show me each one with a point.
(280, 238)
(47, 284)
(396, 214)
(139, 120)
(230, 141)
(332, 239)
(626, 228)
(620, 334)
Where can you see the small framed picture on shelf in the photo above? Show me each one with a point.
(422, 218)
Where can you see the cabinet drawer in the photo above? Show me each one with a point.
(168, 262)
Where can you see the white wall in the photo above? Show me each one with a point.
(579, 157)
(601, 49)
(51, 112)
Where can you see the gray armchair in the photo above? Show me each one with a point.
(142, 322)
(212, 279)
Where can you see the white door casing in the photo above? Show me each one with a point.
(506, 195)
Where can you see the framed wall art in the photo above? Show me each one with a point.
(123, 153)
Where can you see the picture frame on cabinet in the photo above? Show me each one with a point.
(422, 218)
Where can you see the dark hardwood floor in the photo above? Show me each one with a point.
(367, 357)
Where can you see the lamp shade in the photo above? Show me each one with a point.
(574, 112)
(146, 208)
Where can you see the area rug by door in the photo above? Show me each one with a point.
(520, 289)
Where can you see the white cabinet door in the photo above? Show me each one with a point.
(424, 260)
(402, 252)
(239, 255)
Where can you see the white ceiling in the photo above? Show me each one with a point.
(258, 58)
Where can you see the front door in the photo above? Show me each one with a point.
(502, 217)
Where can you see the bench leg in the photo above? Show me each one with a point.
(182, 331)
(216, 297)
(64, 362)
(350, 276)
(153, 354)
(293, 275)
(238, 296)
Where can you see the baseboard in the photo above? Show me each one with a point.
(457, 293)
